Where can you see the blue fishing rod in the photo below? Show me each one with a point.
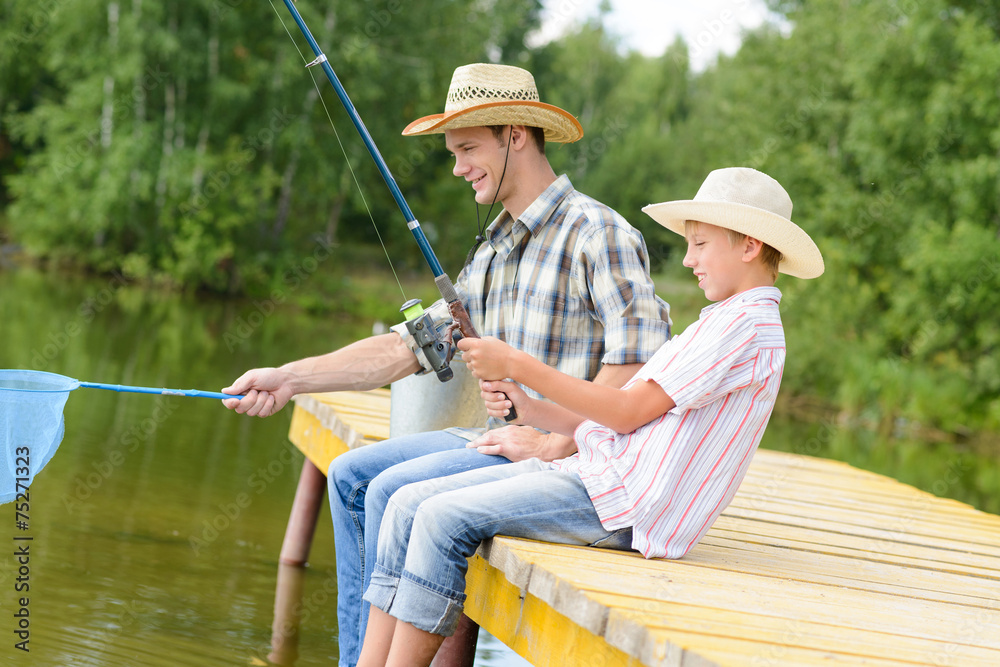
(436, 350)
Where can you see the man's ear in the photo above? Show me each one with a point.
(518, 136)
(751, 248)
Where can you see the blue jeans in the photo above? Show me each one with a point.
(431, 528)
(361, 482)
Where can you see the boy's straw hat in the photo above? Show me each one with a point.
(484, 94)
(751, 203)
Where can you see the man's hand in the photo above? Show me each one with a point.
(519, 443)
(267, 391)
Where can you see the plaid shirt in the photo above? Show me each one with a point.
(567, 282)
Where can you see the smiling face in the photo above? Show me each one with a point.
(720, 265)
(479, 159)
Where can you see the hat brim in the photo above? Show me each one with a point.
(801, 257)
(559, 126)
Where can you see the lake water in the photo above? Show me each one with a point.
(157, 525)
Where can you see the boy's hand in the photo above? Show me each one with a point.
(501, 396)
(488, 358)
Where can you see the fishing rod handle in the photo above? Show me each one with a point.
(462, 321)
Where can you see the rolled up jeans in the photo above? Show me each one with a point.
(361, 482)
(431, 528)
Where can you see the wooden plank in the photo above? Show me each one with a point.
(814, 562)
(758, 593)
(530, 627)
(763, 638)
(802, 537)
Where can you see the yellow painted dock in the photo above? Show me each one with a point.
(814, 562)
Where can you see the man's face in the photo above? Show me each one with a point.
(479, 159)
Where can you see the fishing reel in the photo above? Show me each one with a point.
(420, 324)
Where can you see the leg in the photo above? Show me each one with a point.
(387, 483)
(391, 642)
(459, 650)
(348, 480)
(412, 647)
(381, 627)
(430, 530)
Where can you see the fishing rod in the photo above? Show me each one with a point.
(436, 350)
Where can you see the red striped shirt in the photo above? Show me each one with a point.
(670, 479)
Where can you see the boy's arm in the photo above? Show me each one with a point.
(623, 410)
(499, 396)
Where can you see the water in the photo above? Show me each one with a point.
(157, 525)
(156, 528)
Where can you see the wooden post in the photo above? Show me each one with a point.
(459, 650)
(287, 615)
(291, 564)
(305, 511)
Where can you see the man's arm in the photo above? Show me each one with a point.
(366, 364)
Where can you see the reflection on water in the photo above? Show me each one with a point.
(157, 525)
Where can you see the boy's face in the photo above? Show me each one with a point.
(479, 159)
(718, 265)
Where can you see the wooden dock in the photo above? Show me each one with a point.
(814, 562)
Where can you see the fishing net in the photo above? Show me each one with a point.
(31, 425)
(31, 420)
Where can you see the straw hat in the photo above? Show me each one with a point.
(751, 203)
(484, 94)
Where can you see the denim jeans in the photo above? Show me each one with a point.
(361, 482)
(431, 528)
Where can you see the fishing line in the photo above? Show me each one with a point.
(343, 150)
(481, 225)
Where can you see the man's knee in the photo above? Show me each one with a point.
(348, 473)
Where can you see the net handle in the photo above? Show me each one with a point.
(162, 391)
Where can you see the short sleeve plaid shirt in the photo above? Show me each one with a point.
(567, 282)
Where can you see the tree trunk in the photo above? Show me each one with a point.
(108, 110)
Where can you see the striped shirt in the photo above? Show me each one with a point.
(567, 282)
(669, 479)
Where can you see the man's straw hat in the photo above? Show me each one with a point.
(484, 94)
(751, 203)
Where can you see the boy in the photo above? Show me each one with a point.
(657, 460)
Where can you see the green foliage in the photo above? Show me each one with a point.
(185, 144)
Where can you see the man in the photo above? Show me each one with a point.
(557, 275)
(658, 460)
